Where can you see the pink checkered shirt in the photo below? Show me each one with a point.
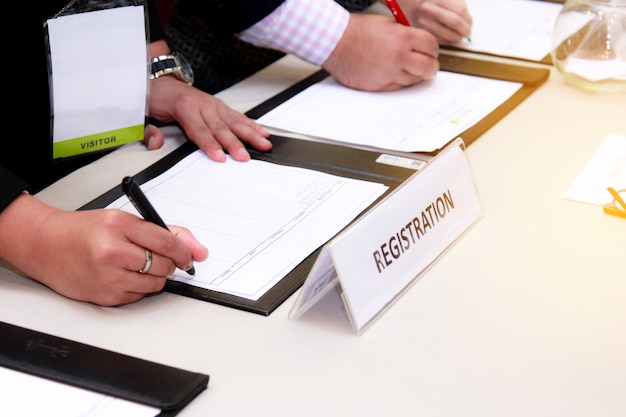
(308, 29)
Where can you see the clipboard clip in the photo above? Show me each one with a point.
(617, 207)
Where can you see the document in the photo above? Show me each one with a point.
(421, 118)
(259, 220)
(607, 168)
(512, 28)
(26, 395)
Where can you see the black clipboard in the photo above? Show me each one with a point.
(324, 157)
(530, 78)
(99, 370)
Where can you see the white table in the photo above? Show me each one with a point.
(524, 316)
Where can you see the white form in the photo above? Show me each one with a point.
(25, 395)
(258, 219)
(607, 168)
(512, 28)
(419, 118)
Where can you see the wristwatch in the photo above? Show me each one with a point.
(171, 64)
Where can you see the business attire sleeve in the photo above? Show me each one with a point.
(154, 23)
(228, 17)
(10, 187)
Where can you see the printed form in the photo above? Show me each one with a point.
(606, 168)
(259, 220)
(512, 28)
(420, 118)
(26, 395)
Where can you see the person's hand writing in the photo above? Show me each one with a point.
(205, 119)
(377, 54)
(94, 255)
(448, 20)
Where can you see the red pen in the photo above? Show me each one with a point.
(396, 11)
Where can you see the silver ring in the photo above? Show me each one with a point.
(148, 264)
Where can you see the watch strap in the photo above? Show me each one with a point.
(163, 65)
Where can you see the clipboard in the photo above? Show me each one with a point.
(77, 364)
(333, 159)
(530, 78)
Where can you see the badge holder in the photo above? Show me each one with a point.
(377, 258)
(98, 77)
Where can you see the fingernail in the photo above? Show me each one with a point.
(219, 155)
(242, 154)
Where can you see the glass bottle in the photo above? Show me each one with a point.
(589, 44)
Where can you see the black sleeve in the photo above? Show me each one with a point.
(227, 17)
(154, 25)
(10, 187)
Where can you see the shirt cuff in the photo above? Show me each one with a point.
(308, 29)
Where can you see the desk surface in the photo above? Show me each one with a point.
(524, 316)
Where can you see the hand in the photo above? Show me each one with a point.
(93, 255)
(448, 20)
(205, 119)
(377, 54)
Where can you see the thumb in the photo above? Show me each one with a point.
(153, 138)
(199, 252)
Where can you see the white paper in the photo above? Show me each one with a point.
(513, 28)
(607, 168)
(25, 395)
(258, 219)
(421, 118)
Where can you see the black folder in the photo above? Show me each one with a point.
(167, 388)
(530, 78)
(330, 158)
(336, 159)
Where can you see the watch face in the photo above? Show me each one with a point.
(185, 67)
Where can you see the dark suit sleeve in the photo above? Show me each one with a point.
(10, 187)
(154, 23)
(227, 17)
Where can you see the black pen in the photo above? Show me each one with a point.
(142, 204)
